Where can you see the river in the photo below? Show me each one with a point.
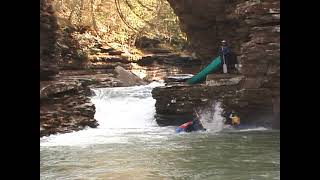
(129, 144)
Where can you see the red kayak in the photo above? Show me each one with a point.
(185, 125)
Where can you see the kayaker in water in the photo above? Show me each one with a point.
(193, 125)
(184, 127)
(235, 119)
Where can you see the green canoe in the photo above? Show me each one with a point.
(201, 76)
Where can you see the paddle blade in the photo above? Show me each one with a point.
(225, 68)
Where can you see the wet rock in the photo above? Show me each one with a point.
(56, 88)
(251, 104)
(223, 79)
(65, 107)
(181, 100)
(175, 102)
(97, 80)
(177, 78)
(252, 83)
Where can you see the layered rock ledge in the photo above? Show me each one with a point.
(65, 106)
(176, 103)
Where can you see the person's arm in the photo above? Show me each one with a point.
(221, 51)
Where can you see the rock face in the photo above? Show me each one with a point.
(176, 104)
(169, 59)
(252, 29)
(48, 38)
(97, 80)
(65, 107)
(64, 104)
(198, 19)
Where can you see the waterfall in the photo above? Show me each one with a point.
(119, 111)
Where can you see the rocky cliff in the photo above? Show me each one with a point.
(177, 103)
(252, 29)
(65, 107)
(64, 104)
(48, 39)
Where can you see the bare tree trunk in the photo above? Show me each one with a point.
(121, 16)
(80, 12)
(73, 8)
(94, 23)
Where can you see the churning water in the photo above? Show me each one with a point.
(129, 144)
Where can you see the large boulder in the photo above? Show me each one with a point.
(127, 78)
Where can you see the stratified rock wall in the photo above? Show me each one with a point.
(252, 28)
(177, 104)
(48, 38)
(65, 107)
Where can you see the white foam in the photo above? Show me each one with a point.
(119, 111)
(212, 119)
(255, 129)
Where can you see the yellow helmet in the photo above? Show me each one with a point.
(235, 120)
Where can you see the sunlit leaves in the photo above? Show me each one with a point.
(153, 18)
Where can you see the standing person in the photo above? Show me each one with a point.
(228, 58)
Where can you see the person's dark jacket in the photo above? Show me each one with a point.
(229, 57)
(225, 50)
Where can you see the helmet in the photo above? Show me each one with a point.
(223, 41)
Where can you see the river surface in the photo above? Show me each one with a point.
(128, 144)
